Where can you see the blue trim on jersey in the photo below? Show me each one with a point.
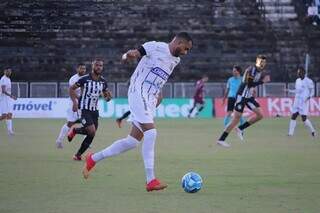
(152, 84)
(233, 85)
(160, 72)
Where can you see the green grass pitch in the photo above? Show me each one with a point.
(268, 173)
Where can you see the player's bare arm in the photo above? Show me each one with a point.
(159, 99)
(3, 87)
(266, 79)
(225, 95)
(74, 97)
(250, 80)
(131, 55)
(107, 95)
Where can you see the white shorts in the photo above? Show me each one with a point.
(301, 106)
(73, 116)
(142, 107)
(5, 105)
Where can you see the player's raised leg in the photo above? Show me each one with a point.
(257, 117)
(192, 108)
(116, 148)
(235, 120)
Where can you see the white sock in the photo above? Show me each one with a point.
(63, 132)
(292, 125)
(148, 153)
(118, 147)
(9, 125)
(308, 124)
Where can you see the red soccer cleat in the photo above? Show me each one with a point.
(155, 184)
(71, 134)
(77, 158)
(88, 165)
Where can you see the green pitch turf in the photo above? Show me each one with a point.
(268, 173)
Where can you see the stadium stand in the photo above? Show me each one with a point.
(44, 40)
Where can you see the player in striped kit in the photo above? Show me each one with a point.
(304, 90)
(158, 59)
(73, 115)
(6, 99)
(92, 85)
(251, 78)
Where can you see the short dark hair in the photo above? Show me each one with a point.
(261, 56)
(238, 68)
(302, 69)
(185, 36)
(81, 64)
(97, 59)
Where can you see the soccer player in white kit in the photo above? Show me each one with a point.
(6, 99)
(72, 114)
(304, 90)
(158, 59)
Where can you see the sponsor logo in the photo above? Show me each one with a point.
(32, 106)
(160, 72)
(273, 106)
(169, 108)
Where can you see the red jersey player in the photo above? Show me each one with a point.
(198, 98)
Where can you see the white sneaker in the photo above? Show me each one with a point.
(223, 143)
(11, 133)
(59, 145)
(239, 133)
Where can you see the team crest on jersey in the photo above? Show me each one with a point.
(83, 121)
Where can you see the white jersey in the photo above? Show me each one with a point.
(73, 116)
(154, 68)
(73, 80)
(5, 101)
(304, 88)
(5, 81)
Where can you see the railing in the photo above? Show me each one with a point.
(170, 90)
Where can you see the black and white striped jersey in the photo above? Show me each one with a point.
(251, 78)
(90, 91)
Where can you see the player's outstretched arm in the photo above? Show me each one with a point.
(73, 96)
(290, 90)
(131, 55)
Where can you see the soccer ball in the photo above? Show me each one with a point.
(191, 182)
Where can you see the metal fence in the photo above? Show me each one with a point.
(170, 90)
(43, 90)
(273, 90)
(20, 89)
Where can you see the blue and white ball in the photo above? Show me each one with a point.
(191, 182)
